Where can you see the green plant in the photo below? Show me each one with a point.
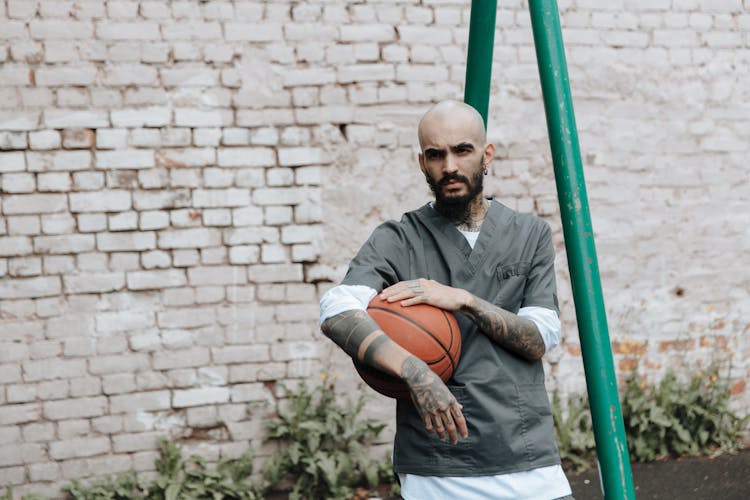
(575, 434)
(324, 446)
(120, 487)
(680, 418)
(176, 478)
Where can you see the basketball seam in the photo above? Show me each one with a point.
(437, 340)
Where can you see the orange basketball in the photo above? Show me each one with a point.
(428, 332)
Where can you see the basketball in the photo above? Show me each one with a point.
(426, 331)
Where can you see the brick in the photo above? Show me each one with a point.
(12, 162)
(34, 203)
(144, 401)
(153, 220)
(168, 198)
(153, 116)
(20, 288)
(241, 354)
(247, 216)
(301, 156)
(199, 397)
(16, 120)
(123, 221)
(120, 242)
(45, 139)
(54, 181)
(94, 282)
(246, 157)
(125, 159)
(100, 201)
(300, 233)
(231, 197)
(149, 280)
(66, 243)
(217, 275)
(189, 76)
(126, 363)
(287, 351)
(59, 161)
(53, 369)
(107, 30)
(280, 196)
(185, 157)
(22, 453)
(135, 442)
(186, 318)
(80, 447)
(305, 253)
(15, 245)
(250, 32)
(189, 238)
(203, 117)
(65, 75)
(244, 254)
(275, 273)
(182, 358)
(119, 321)
(156, 259)
(75, 408)
(43, 472)
(54, 29)
(72, 118)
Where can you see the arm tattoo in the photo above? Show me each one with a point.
(349, 329)
(369, 357)
(429, 392)
(506, 329)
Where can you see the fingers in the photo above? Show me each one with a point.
(449, 423)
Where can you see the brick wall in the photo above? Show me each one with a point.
(181, 181)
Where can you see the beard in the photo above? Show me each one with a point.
(456, 208)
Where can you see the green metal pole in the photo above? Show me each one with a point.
(479, 58)
(606, 414)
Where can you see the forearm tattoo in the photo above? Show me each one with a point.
(349, 329)
(369, 356)
(506, 329)
(429, 392)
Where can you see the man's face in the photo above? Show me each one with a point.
(457, 189)
(452, 159)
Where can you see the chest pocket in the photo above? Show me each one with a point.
(511, 281)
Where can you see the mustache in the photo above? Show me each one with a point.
(452, 177)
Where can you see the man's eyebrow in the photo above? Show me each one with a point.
(462, 145)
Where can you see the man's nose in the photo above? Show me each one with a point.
(451, 164)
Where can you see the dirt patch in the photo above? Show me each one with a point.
(726, 477)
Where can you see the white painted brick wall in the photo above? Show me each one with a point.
(181, 181)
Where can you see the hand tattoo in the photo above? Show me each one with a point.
(506, 329)
(437, 406)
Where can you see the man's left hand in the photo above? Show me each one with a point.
(424, 291)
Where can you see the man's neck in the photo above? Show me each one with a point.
(467, 217)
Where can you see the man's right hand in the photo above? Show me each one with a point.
(438, 407)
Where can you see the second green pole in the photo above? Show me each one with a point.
(609, 432)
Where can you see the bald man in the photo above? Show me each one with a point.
(488, 432)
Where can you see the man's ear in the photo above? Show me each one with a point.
(489, 153)
(421, 163)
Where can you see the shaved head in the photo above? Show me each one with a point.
(455, 114)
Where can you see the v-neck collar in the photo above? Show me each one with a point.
(473, 257)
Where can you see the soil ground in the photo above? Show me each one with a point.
(726, 477)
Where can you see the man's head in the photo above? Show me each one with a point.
(454, 152)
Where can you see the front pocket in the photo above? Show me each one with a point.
(511, 283)
(521, 268)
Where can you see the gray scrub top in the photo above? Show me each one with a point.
(503, 395)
